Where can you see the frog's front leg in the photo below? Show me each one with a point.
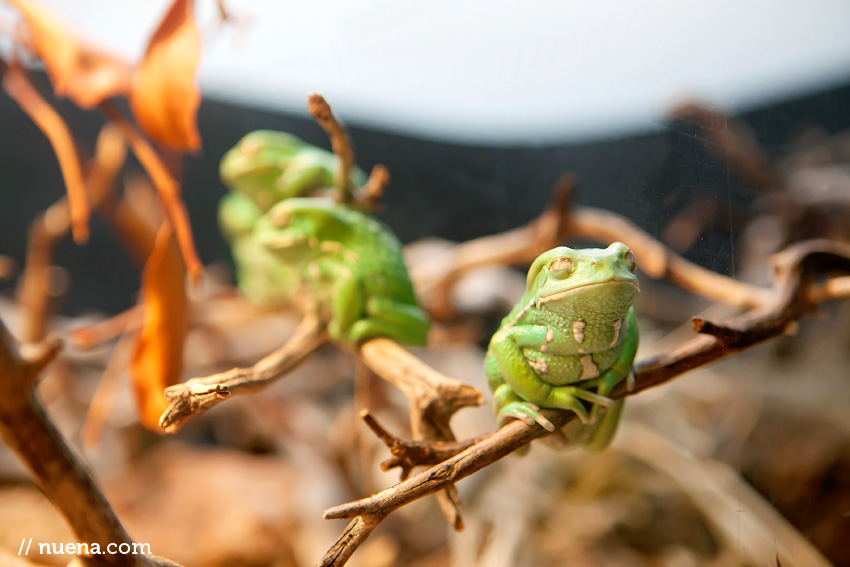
(506, 349)
(304, 172)
(346, 294)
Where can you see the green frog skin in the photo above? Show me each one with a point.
(350, 264)
(571, 338)
(269, 166)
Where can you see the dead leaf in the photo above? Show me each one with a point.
(54, 127)
(164, 95)
(83, 73)
(158, 355)
(165, 183)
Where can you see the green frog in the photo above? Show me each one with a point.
(262, 169)
(570, 339)
(350, 265)
(269, 166)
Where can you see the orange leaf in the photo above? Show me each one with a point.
(81, 72)
(166, 186)
(48, 120)
(164, 96)
(158, 355)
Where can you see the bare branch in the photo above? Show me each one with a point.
(433, 399)
(197, 395)
(558, 222)
(320, 110)
(27, 429)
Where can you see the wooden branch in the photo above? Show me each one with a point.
(795, 269)
(58, 471)
(320, 110)
(517, 246)
(432, 397)
(558, 222)
(197, 395)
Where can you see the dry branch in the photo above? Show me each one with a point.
(27, 429)
(432, 397)
(320, 110)
(197, 395)
(795, 270)
(558, 222)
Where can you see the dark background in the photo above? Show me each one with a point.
(438, 189)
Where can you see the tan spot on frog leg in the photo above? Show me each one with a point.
(578, 331)
(540, 365)
(588, 367)
(550, 336)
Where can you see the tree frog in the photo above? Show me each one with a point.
(269, 166)
(264, 168)
(571, 338)
(350, 264)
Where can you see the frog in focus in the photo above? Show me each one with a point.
(571, 338)
(351, 267)
(262, 169)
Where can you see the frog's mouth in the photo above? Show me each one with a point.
(561, 294)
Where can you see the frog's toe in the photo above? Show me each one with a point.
(528, 413)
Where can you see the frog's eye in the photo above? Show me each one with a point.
(561, 267)
(630, 261)
(249, 147)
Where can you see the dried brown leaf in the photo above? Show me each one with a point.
(83, 73)
(54, 127)
(164, 94)
(158, 356)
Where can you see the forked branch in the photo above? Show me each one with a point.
(197, 395)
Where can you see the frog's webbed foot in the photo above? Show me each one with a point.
(510, 406)
(524, 411)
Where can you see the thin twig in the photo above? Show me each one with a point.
(197, 395)
(795, 269)
(320, 110)
(34, 291)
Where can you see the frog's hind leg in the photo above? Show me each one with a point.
(385, 317)
(624, 364)
(604, 430)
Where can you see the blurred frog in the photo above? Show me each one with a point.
(351, 266)
(264, 168)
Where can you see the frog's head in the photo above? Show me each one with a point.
(299, 227)
(602, 281)
(253, 165)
